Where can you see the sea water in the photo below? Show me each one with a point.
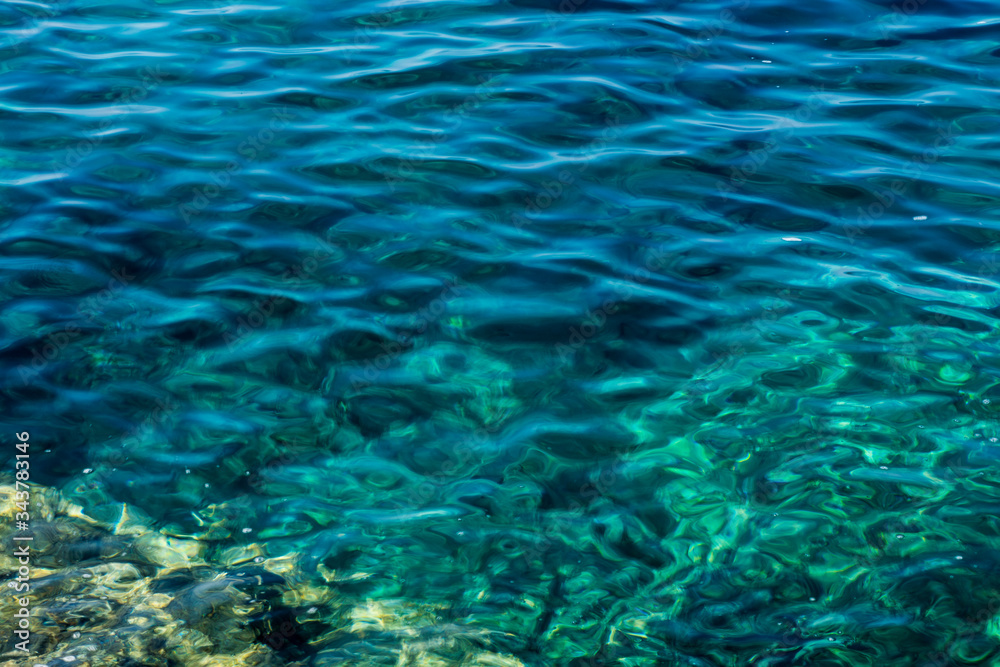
(534, 332)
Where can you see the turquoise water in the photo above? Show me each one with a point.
(579, 333)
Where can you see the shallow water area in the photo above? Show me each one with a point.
(518, 334)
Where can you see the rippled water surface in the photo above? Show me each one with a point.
(521, 333)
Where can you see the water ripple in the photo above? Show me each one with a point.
(527, 333)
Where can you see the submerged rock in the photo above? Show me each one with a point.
(124, 594)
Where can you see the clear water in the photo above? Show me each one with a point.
(523, 333)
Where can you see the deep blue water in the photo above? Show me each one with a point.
(523, 333)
